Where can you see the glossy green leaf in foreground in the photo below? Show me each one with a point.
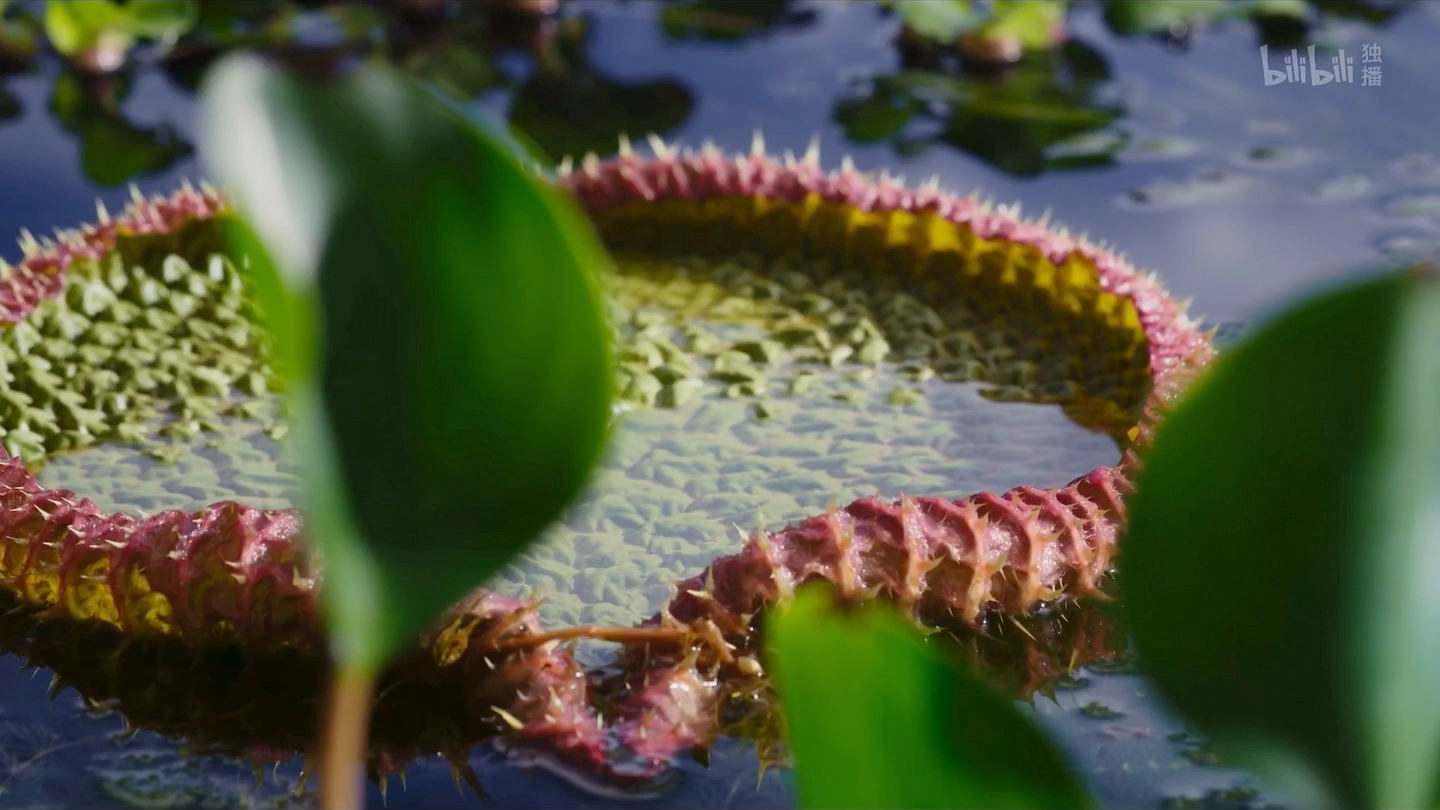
(441, 328)
(1280, 570)
(880, 717)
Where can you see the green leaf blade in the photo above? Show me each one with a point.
(878, 717)
(73, 26)
(939, 20)
(1280, 540)
(454, 359)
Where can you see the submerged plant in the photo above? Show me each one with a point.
(96, 35)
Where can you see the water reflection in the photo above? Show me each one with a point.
(112, 149)
(733, 20)
(1031, 117)
(569, 107)
(222, 702)
(1052, 110)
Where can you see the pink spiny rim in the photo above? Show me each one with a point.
(235, 574)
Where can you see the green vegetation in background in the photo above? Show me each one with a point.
(732, 21)
(112, 150)
(97, 35)
(1005, 81)
(437, 316)
(1032, 123)
(1028, 25)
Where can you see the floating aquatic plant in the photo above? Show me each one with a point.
(96, 35)
(230, 575)
(1319, 436)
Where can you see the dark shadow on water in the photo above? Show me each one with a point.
(733, 21)
(221, 703)
(570, 108)
(1033, 117)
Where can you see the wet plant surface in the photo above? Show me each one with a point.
(1237, 193)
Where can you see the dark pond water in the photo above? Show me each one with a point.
(1240, 195)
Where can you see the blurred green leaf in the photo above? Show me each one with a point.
(98, 33)
(1032, 122)
(74, 26)
(1145, 17)
(1132, 17)
(570, 108)
(938, 20)
(1279, 569)
(731, 20)
(1358, 10)
(455, 391)
(1033, 25)
(878, 717)
(19, 38)
(879, 116)
(224, 19)
(461, 70)
(1295, 9)
(162, 20)
(113, 151)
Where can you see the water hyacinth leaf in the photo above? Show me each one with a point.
(19, 39)
(879, 116)
(880, 717)
(101, 27)
(939, 20)
(74, 26)
(162, 20)
(457, 388)
(728, 21)
(112, 149)
(1141, 17)
(570, 108)
(1033, 25)
(1279, 567)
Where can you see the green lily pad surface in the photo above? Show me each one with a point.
(775, 424)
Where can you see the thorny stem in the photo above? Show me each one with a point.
(347, 727)
(619, 635)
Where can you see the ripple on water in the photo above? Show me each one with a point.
(1278, 156)
(1203, 187)
(1416, 205)
(1409, 245)
(1340, 188)
(1160, 148)
(1417, 167)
